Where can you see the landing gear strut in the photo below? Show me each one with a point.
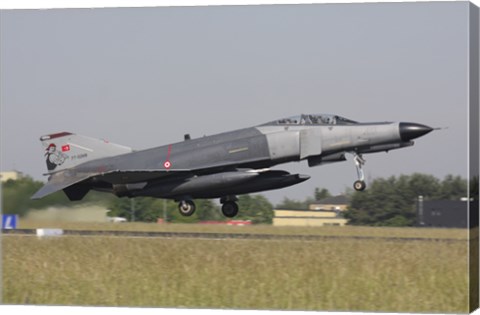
(229, 206)
(359, 185)
(186, 207)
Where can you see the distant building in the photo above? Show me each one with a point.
(339, 202)
(308, 218)
(446, 213)
(13, 175)
(325, 212)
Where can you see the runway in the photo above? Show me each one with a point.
(226, 236)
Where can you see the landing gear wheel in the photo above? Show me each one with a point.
(230, 209)
(359, 161)
(359, 185)
(186, 207)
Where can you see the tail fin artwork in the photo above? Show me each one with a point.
(65, 150)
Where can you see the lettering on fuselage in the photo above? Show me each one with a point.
(79, 156)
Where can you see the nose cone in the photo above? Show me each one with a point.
(409, 131)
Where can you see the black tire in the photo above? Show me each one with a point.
(359, 185)
(230, 209)
(186, 207)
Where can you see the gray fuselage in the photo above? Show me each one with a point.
(197, 163)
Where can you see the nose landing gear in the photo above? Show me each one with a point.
(359, 185)
(359, 161)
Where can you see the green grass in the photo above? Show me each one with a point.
(341, 274)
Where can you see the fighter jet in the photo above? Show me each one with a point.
(219, 166)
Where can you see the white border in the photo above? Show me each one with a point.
(50, 4)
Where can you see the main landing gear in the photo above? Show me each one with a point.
(229, 207)
(359, 185)
(186, 207)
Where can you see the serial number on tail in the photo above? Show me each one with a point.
(79, 156)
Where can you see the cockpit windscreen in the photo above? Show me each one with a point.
(321, 119)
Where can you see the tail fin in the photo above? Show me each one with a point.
(65, 150)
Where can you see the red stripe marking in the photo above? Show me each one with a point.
(167, 163)
(55, 135)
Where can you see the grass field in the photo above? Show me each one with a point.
(339, 274)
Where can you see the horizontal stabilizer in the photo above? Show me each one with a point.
(59, 181)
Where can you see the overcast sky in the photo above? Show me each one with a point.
(144, 77)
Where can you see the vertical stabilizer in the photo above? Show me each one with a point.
(65, 150)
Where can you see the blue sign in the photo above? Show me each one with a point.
(9, 221)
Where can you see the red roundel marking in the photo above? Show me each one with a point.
(167, 163)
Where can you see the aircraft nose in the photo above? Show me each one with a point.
(409, 131)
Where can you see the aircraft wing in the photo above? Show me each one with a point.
(135, 176)
(67, 178)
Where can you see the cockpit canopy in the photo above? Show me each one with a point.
(320, 119)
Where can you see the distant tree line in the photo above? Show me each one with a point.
(386, 202)
(16, 197)
(392, 201)
(16, 200)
